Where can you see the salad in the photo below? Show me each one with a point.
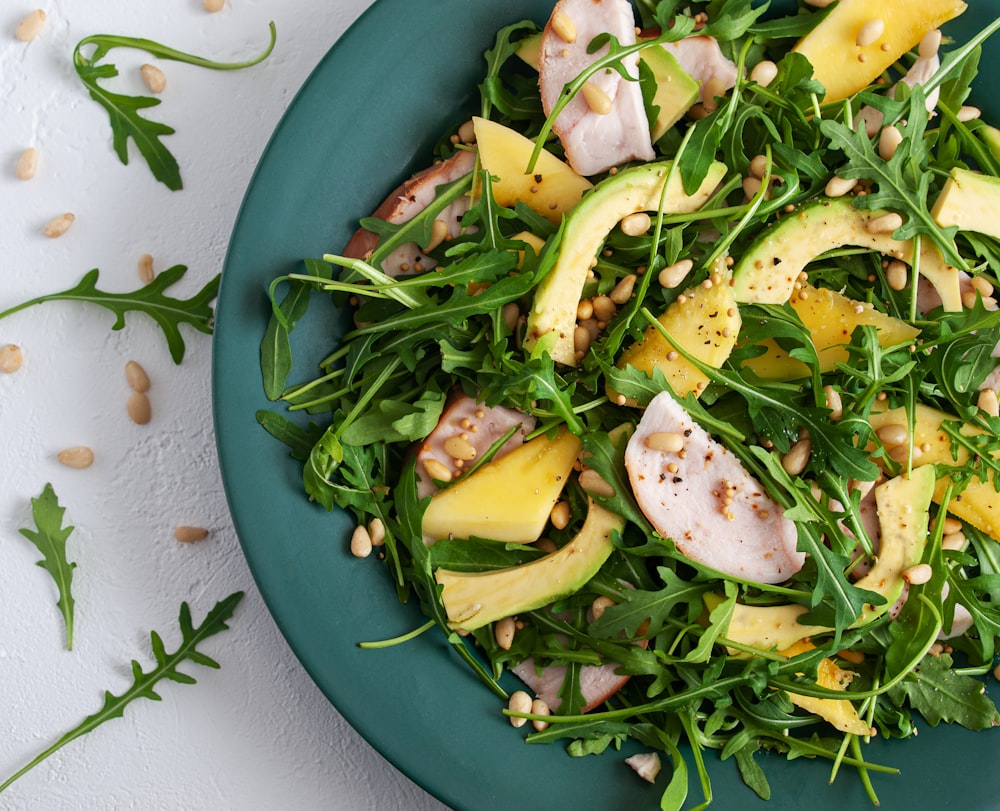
(696, 435)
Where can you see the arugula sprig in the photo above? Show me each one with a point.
(124, 111)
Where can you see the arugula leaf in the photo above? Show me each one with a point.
(50, 539)
(123, 111)
(150, 299)
(939, 694)
(144, 683)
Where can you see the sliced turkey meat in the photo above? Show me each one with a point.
(606, 125)
(702, 59)
(408, 200)
(597, 682)
(466, 423)
(696, 493)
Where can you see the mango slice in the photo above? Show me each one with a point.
(840, 713)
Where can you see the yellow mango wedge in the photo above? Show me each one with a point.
(840, 713)
(551, 189)
(846, 53)
(830, 318)
(508, 499)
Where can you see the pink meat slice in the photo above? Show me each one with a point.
(702, 59)
(594, 142)
(408, 200)
(597, 682)
(705, 501)
(479, 424)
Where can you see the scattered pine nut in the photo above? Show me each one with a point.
(834, 402)
(27, 164)
(560, 515)
(622, 291)
(519, 701)
(758, 166)
(581, 340)
(764, 72)
(145, 268)
(637, 224)
(459, 448)
(672, 275)
(896, 275)
(139, 409)
(597, 100)
(869, 33)
(968, 113)
(154, 78)
(564, 27)
(58, 226)
(889, 141)
(584, 310)
(600, 605)
(929, 44)
(885, 224)
(439, 232)
(712, 89)
(893, 433)
(988, 402)
(839, 186)
(751, 187)
(30, 26)
(982, 286)
(666, 441)
(79, 457)
(503, 632)
(11, 358)
(795, 461)
(136, 377)
(213, 5)
(436, 470)
(919, 574)
(539, 707)
(511, 314)
(955, 541)
(361, 542)
(604, 308)
(591, 481)
(646, 764)
(186, 534)
(376, 529)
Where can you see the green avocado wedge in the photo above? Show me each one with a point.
(902, 511)
(475, 599)
(969, 200)
(649, 187)
(767, 272)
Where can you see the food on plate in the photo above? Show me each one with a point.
(672, 386)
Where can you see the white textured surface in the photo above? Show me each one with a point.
(256, 734)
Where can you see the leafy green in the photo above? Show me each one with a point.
(144, 683)
(939, 694)
(168, 312)
(50, 536)
(124, 111)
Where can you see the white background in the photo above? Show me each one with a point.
(256, 734)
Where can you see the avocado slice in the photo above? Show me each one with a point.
(991, 137)
(767, 272)
(647, 187)
(676, 91)
(969, 201)
(475, 599)
(902, 510)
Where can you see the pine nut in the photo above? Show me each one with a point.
(581, 340)
(839, 186)
(834, 402)
(136, 377)
(637, 224)
(546, 545)
(600, 605)
(591, 481)
(714, 88)
(58, 226)
(893, 433)
(665, 441)
(154, 78)
(145, 268)
(597, 100)
(988, 402)
(919, 574)
(751, 187)
(539, 707)
(376, 530)
(795, 461)
(929, 44)
(503, 632)
(584, 310)
(560, 515)
(213, 5)
(764, 72)
(896, 275)
(467, 132)
(436, 470)
(79, 457)
(869, 33)
(564, 27)
(885, 224)
(27, 164)
(604, 308)
(672, 275)
(901, 453)
(439, 232)
(139, 409)
(519, 701)
(982, 286)
(967, 113)
(187, 534)
(30, 26)
(622, 291)
(459, 448)
(758, 166)
(889, 141)
(361, 542)
(954, 541)
(950, 526)
(11, 358)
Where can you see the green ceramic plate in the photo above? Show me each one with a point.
(367, 117)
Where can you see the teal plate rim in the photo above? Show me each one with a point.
(365, 118)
